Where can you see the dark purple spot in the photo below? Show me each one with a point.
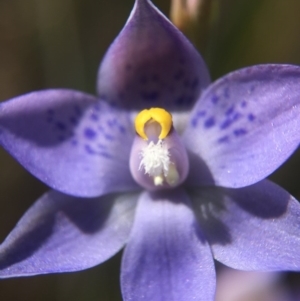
(60, 126)
(252, 88)
(73, 120)
(179, 75)
(225, 124)
(244, 104)
(122, 129)
(230, 110)
(111, 122)
(90, 133)
(236, 117)
(215, 99)
(239, 132)
(195, 83)
(201, 113)
(210, 122)
(77, 110)
(223, 139)
(105, 155)
(230, 120)
(89, 149)
(50, 112)
(94, 117)
(108, 137)
(251, 117)
(150, 96)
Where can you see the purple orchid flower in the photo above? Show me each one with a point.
(207, 197)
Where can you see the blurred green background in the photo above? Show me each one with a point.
(59, 43)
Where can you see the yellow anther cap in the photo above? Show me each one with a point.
(161, 116)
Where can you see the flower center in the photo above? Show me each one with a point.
(161, 116)
(157, 153)
(155, 161)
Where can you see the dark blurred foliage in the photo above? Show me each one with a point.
(59, 43)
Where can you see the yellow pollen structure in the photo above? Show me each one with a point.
(161, 116)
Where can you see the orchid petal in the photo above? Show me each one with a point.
(60, 233)
(251, 228)
(245, 126)
(151, 64)
(167, 256)
(69, 140)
